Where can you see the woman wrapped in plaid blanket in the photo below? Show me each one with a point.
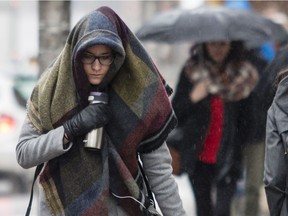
(101, 52)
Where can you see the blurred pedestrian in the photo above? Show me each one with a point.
(101, 53)
(213, 81)
(275, 66)
(275, 163)
(253, 111)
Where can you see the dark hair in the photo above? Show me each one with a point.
(235, 56)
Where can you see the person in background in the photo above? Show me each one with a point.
(253, 111)
(101, 54)
(269, 75)
(213, 81)
(275, 162)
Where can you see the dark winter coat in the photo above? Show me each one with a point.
(254, 108)
(276, 161)
(194, 118)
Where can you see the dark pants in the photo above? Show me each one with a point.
(203, 183)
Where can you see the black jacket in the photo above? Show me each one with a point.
(254, 108)
(194, 118)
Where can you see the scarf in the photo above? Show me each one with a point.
(232, 84)
(80, 181)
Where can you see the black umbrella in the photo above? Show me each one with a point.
(207, 24)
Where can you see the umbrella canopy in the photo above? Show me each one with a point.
(207, 24)
(278, 34)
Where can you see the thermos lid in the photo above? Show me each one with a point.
(98, 97)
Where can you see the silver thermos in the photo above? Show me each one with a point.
(93, 139)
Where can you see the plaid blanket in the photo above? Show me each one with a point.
(80, 181)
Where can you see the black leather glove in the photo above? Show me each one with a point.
(91, 117)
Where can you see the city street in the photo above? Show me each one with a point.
(16, 205)
(20, 44)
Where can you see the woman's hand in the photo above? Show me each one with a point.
(200, 90)
(91, 117)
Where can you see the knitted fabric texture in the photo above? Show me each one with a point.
(80, 181)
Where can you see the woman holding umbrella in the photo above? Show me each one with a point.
(207, 103)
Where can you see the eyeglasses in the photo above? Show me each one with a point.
(88, 58)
